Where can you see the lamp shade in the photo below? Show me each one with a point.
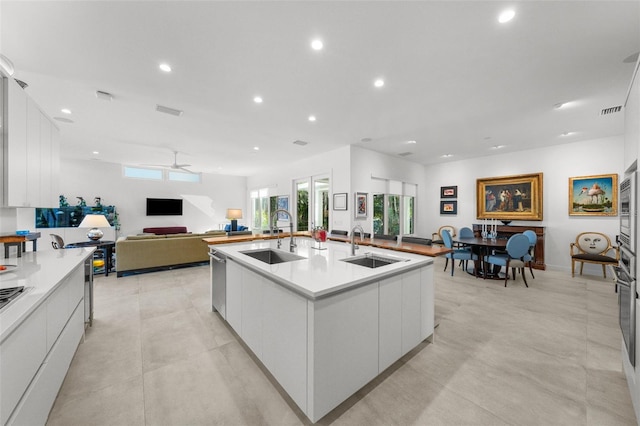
(234, 213)
(94, 221)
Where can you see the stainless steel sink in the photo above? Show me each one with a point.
(272, 256)
(372, 260)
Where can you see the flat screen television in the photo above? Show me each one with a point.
(164, 207)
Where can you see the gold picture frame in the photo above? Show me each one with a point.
(595, 195)
(517, 197)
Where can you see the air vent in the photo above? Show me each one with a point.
(105, 96)
(611, 110)
(301, 143)
(168, 110)
(404, 154)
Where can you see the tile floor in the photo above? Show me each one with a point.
(544, 355)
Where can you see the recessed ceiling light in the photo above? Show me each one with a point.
(411, 142)
(446, 155)
(256, 148)
(567, 133)
(379, 82)
(317, 44)
(66, 110)
(165, 67)
(497, 146)
(96, 152)
(312, 118)
(506, 16)
(257, 99)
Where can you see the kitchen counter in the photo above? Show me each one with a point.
(323, 327)
(424, 250)
(40, 273)
(322, 272)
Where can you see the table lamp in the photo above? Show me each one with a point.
(234, 215)
(94, 221)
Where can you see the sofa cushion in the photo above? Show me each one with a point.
(145, 237)
(164, 230)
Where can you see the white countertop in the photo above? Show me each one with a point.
(40, 273)
(322, 272)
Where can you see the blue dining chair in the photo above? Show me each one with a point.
(517, 248)
(462, 254)
(533, 239)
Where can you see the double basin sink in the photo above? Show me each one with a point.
(272, 257)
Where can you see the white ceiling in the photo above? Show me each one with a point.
(457, 81)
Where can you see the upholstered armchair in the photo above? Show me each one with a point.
(436, 237)
(593, 247)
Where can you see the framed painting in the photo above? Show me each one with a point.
(448, 207)
(516, 197)
(340, 201)
(361, 205)
(282, 202)
(448, 192)
(593, 195)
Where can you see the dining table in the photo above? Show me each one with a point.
(483, 247)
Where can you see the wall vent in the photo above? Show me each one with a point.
(611, 110)
(405, 154)
(105, 96)
(168, 110)
(301, 143)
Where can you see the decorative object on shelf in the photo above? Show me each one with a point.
(517, 197)
(505, 222)
(63, 201)
(282, 202)
(361, 205)
(340, 201)
(319, 234)
(448, 207)
(81, 202)
(98, 200)
(234, 215)
(71, 216)
(448, 192)
(593, 195)
(94, 221)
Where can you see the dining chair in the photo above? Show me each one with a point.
(593, 247)
(436, 237)
(517, 248)
(530, 258)
(461, 254)
(57, 241)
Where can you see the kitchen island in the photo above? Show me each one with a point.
(40, 330)
(322, 326)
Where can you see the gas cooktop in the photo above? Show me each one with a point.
(8, 294)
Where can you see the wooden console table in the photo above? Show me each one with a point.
(19, 241)
(505, 231)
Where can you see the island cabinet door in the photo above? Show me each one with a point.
(411, 312)
(390, 321)
(234, 295)
(252, 310)
(427, 305)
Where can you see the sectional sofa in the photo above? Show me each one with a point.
(159, 251)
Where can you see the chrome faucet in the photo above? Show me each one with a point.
(274, 221)
(354, 246)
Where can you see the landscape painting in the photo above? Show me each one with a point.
(593, 195)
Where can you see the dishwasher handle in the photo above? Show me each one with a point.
(217, 259)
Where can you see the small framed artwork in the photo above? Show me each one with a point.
(361, 205)
(448, 192)
(448, 207)
(340, 201)
(593, 195)
(283, 203)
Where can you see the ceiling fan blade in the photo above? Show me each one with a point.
(179, 166)
(187, 170)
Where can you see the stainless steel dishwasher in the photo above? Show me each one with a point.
(218, 272)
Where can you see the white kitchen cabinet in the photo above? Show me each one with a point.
(252, 310)
(632, 121)
(411, 313)
(234, 295)
(390, 321)
(31, 153)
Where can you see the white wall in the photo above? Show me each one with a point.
(204, 207)
(335, 164)
(558, 163)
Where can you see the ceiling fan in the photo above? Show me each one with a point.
(175, 165)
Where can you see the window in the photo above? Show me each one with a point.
(260, 208)
(395, 214)
(184, 177)
(159, 174)
(302, 205)
(142, 173)
(312, 202)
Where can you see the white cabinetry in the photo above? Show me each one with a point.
(632, 121)
(31, 151)
(37, 354)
